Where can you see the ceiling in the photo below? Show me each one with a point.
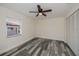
(59, 9)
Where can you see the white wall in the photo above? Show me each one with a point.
(27, 25)
(51, 28)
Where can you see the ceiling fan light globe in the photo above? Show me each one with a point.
(40, 13)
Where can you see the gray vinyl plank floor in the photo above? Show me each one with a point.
(45, 47)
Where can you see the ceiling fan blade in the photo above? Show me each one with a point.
(39, 8)
(44, 14)
(47, 10)
(33, 12)
(37, 14)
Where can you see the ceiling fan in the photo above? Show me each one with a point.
(41, 11)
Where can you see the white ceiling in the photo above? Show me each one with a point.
(59, 9)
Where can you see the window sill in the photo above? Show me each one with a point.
(14, 36)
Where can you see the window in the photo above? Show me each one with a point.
(12, 29)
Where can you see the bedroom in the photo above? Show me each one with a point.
(60, 25)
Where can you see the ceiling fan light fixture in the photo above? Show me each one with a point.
(40, 13)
